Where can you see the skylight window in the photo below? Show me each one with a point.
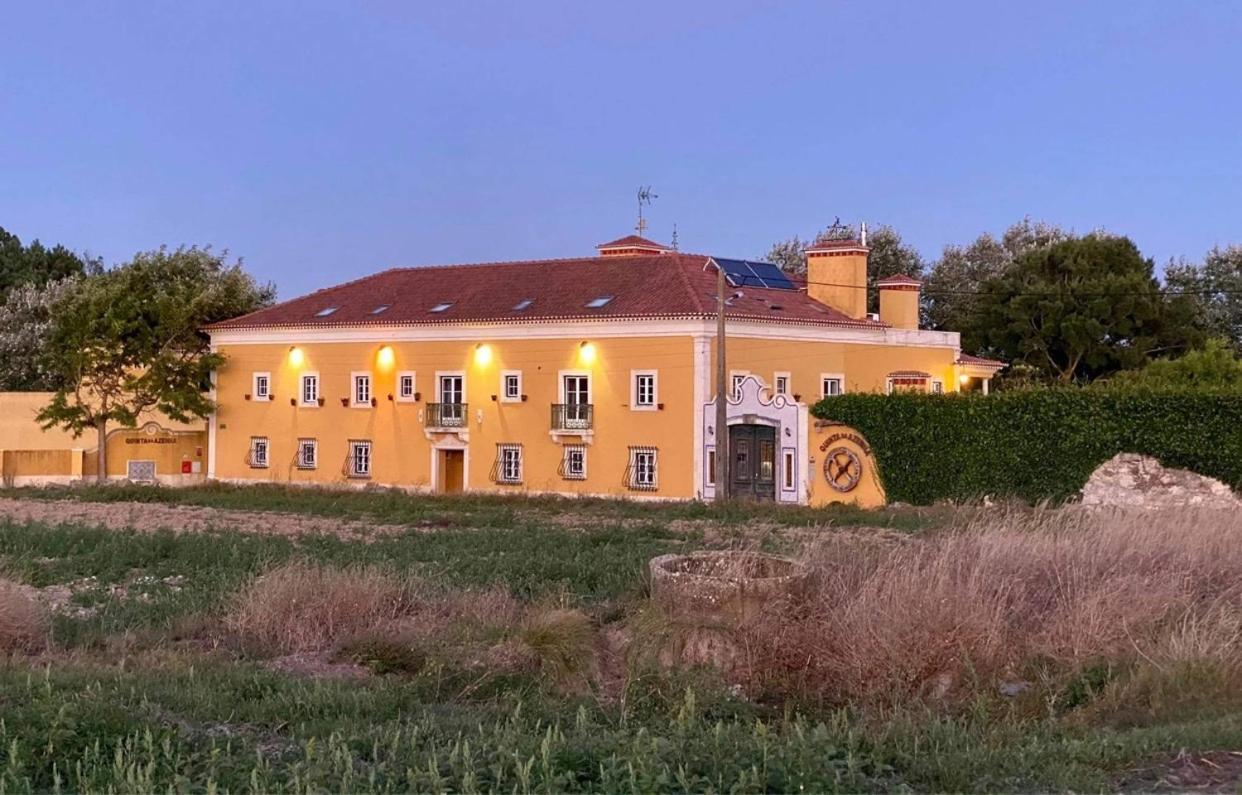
(326, 311)
(381, 308)
(523, 304)
(596, 303)
(442, 306)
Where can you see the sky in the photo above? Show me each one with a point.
(322, 141)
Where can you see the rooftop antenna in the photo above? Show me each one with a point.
(644, 197)
(674, 243)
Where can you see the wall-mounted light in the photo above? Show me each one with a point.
(964, 379)
(295, 356)
(385, 358)
(586, 352)
(482, 355)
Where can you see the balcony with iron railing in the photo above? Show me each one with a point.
(447, 415)
(573, 417)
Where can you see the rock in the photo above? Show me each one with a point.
(1130, 480)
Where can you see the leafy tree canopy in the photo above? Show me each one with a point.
(25, 324)
(1214, 289)
(36, 264)
(129, 340)
(1078, 309)
(1215, 366)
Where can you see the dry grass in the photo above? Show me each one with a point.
(1014, 596)
(301, 607)
(24, 624)
(563, 640)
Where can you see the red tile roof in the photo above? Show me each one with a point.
(910, 375)
(898, 280)
(642, 287)
(634, 241)
(978, 361)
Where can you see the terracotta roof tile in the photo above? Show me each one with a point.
(898, 280)
(642, 287)
(966, 358)
(634, 241)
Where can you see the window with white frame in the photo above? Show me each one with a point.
(262, 386)
(780, 383)
(643, 386)
(711, 467)
(359, 463)
(574, 463)
(831, 384)
(736, 379)
(405, 387)
(508, 463)
(937, 387)
(310, 389)
(308, 454)
(258, 452)
(362, 389)
(789, 470)
(511, 386)
(642, 470)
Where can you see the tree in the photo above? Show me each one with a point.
(25, 324)
(950, 294)
(36, 264)
(1214, 289)
(1077, 309)
(890, 255)
(129, 340)
(1215, 366)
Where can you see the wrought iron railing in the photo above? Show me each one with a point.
(573, 416)
(447, 415)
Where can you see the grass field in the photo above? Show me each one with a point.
(171, 661)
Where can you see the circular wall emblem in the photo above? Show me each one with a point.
(842, 469)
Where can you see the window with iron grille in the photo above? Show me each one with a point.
(362, 389)
(359, 459)
(508, 463)
(258, 452)
(641, 474)
(310, 389)
(573, 462)
(308, 454)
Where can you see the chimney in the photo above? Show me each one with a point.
(632, 246)
(899, 301)
(836, 275)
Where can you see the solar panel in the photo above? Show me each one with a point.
(744, 273)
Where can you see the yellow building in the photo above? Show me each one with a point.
(590, 375)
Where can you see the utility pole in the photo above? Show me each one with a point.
(722, 375)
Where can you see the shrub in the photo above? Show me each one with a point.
(23, 621)
(1037, 444)
(300, 606)
(1049, 596)
(562, 639)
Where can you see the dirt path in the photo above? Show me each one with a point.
(150, 517)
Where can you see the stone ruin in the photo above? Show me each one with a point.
(1130, 480)
(711, 593)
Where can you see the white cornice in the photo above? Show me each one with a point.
(596, 329)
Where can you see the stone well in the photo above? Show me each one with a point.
(726, 586)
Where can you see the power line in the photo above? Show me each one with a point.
(1070, 291)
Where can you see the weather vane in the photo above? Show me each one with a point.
(644, 197)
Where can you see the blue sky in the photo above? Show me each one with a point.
(322, 141)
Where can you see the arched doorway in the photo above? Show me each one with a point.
(752, 462)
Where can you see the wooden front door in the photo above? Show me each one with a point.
(452, 471)
(752, 462)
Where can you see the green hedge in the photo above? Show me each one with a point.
(1038, 444)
